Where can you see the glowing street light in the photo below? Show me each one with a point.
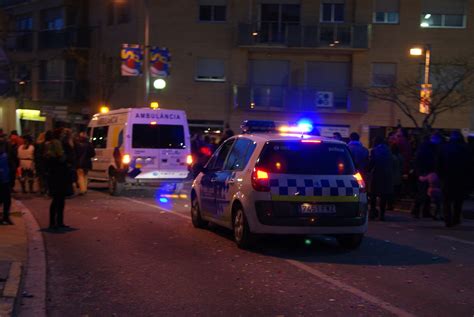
(159, 83)
(416, 51)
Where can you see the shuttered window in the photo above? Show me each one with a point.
(210, 70)
(386, 11)
(384, 74)
(443, 14)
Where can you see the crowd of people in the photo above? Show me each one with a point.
(56, 164)
(438, 171)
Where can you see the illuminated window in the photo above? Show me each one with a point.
(443, 14)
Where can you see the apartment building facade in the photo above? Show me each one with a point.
(47, 44)
(275, 59)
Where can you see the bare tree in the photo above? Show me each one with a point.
(453, 88)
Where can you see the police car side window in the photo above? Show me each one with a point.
(239, 155)
(218, 159)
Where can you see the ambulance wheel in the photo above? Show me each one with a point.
(196, 219)
(115, 187)
(242, 235)
(350, 241)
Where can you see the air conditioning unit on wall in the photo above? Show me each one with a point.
(324, 99)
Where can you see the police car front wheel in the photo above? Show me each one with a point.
(242, 235)
(196, 218)
(350, 241)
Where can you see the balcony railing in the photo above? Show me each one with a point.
(61, 90)
(20, 42)
(9, 3)
(334, 35)
(67, 37)
(299, 99)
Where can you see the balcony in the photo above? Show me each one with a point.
(20, 42)
(9, 3)
(327, 36)
(67, 37)
(299, 99)
(62, 90)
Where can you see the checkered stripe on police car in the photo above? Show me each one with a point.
(324, 186)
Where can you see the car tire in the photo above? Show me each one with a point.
(115, 187)
(196, 218)
(242, 235)
(350, 241)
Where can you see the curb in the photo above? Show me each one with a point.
(33, 300)
(10, 290)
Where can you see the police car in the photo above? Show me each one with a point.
(281, 180)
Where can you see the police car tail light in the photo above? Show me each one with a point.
(126, 159)
(260, 180)
(361, 182)
(189, 159)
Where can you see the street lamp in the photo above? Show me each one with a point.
(426, 87)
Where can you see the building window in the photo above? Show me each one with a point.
(210, 70)
(24, 23)
(429, 20)
(123, 12)
(332, 12)
(443, 14)
(386, 11)
(212, 13)
(384, 74)
(331, 79)
(52, 19)
(275, 20)
(110, 13)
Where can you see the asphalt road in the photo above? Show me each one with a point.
(137, 256)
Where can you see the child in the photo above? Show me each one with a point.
(434, 192)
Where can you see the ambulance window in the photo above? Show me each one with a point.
(158, 136)
(240, 155)
(99, 137)
(217, 160)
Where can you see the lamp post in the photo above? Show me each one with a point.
(426, 87)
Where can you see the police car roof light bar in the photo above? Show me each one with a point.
(249, 126)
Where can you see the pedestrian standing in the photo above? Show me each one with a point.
(456, 175)
(84, 154)
(40, 164)
(424, 164)
(360, 154)
(15, 142)
(434, 192)
(381, 182)
(5, 187)
(397, 171)
(59, 178)
(27, 166)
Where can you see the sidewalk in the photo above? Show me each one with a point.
(13, 258)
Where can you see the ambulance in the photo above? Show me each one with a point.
(140, 146)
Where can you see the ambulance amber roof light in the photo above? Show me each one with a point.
(249, 126)
(104, 109)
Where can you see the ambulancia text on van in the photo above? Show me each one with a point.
(140, 146)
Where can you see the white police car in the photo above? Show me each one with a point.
(281, 181)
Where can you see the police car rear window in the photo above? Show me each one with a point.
(296, 157)
(154, 136)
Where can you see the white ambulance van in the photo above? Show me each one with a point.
(140, 146)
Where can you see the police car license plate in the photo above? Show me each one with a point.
(317, 209)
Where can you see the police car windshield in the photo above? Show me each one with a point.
(149, 136)
(296, 157)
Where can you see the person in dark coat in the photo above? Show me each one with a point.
(40, 164)
(456, 174)
(84, 154)
(424, 164)
(59, 177)
(5, 188)
(360, 154)
(381, 177)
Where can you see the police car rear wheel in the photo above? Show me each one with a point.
(196, 218)
(350, 241)
(242, 235)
